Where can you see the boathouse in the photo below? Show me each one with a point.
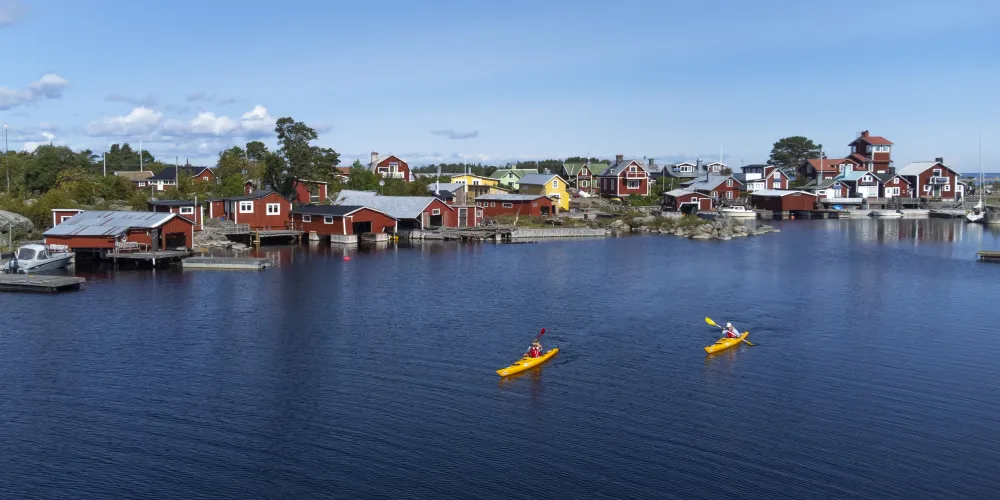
(342, 223)
(260, 210)
(519, 205)
(783, 201)
(103, 231)
(184, 208)
(684, 201)
(60, 215)
(411, 212)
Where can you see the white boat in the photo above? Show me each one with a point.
(887, 214)
(978, 212)
(34, 258)
(737, 212)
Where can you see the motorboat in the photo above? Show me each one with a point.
(737, 212)
(33, 258)
(887, 214)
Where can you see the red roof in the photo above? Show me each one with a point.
(829, 164)
(857, 158)
(872, 139)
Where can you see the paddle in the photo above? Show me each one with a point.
(709, 321)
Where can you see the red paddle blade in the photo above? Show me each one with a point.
(541, 333)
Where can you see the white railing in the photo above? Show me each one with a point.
(392, 175)
(939, 180)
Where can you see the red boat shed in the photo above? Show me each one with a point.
(259, 209)
(59, 215)
(523, 205)
(783, 201)
(100, 231)
(344, 220)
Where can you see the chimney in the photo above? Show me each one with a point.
(374, 158)
(652, 164)
(864, 133)
(619, 158)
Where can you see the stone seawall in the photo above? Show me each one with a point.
(568, 232)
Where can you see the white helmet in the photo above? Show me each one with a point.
(729, 325)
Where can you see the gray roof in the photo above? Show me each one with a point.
(509, 197)
(681, 192)
(778, 192)
(108, 223)
(536, 179)
(335, 210)
(709, 184)
(450, 187)
(917, 167)
(397, 207)
(616, 168)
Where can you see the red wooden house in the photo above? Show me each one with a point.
(101, 231)
(895, 185)
(411, 212)
(624, 178)
(260, 209)
(931, 179)
(343, 221)
(170, 175)
(390, 167)
(60, 215)
(783, 200)
(184, 208)
(872, 152)
(682, 200)
(307, 192)
(521, 205)
(719, 187)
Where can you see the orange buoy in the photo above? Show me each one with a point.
(346, 258)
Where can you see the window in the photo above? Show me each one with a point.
(866, 178)
(555, 183)
(895, 180)
(535, 204)
(273, 208)
(63, 218)
(729, 182)
(142, 183)
(632, 169)
(729, 195)
(585, 183)
(187, 210)
(475, 182)
(493, 204)
(479, 213)
(777, 175)
(327, 219)
(937, 172)
(633, 184)
(947, 187)
(246, 207)
(435, 211)
(508, 205)
(927, 189)
(307, 218)
(777, 184)
(205, 178)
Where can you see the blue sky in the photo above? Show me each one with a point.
(496, 81)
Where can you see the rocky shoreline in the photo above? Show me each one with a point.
(723, 229)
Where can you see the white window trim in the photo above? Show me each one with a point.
(629, 185)
(307, 218)
(508, 205)
(187, 210)
(947, 187)
(435, 211)
(729, 183)
(275, 206)
(729, 195)
(327, 219)
(248, 204)
(62, 218)
(555, 183)
(493, 204)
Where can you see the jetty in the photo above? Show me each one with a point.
(163, 256)
(988, 256)
(504, 233)
(228, 263)
(256, 236)
(36, 283)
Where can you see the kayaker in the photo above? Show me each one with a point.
(535, 350)
(731, 332)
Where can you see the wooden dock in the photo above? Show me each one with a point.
(36, 283)
(228, 263)
(988, 256)
(152, 257)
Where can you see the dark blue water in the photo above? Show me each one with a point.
(874, 376)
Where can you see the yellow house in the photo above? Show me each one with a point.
(548, 185)
(474, 180)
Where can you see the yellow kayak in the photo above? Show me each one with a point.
(725, 343)
(526, 362)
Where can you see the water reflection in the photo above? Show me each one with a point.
(892, 230)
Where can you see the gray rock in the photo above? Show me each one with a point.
(19, 224)
(700, 236)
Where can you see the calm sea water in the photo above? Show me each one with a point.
(874, 376)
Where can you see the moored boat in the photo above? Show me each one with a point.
(725, 343)
(886, 214)
(526, 363)
(737, 212)
(32, 258)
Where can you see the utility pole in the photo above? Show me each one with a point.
(104, 157)
(6, 161)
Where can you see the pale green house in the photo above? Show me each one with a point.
(509, 177)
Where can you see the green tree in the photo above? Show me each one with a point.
(362, 179)
(303, 160)
(790, 153)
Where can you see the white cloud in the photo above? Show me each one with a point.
(49, 86)
(48, 136)
(257, 122)
(139, 121)
(209, 124)
(30, 147)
